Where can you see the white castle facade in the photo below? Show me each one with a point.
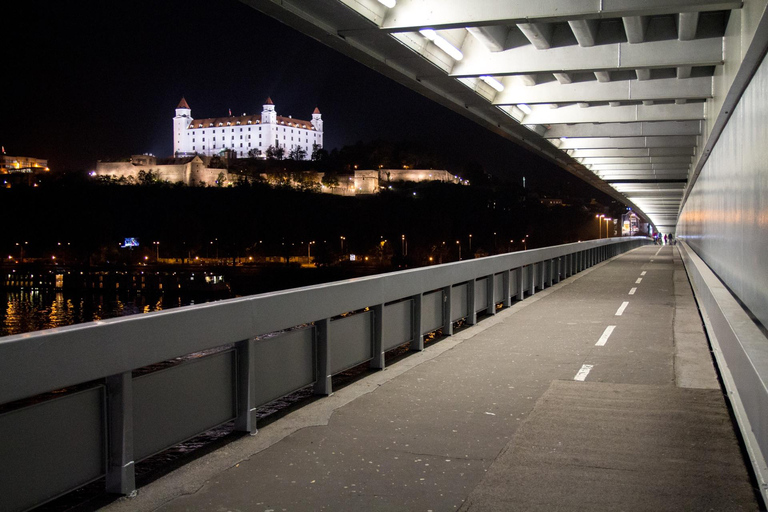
(246, 135)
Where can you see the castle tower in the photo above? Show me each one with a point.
(317, 121)
(268, 114)
(180, 124)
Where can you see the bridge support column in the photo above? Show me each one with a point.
(506, 300)
(417, 336)
(323, 383)
(550, 274)
(447, 322)
(558, 269)
(245, 421)
(377, 363)
(532, 278)
(542, 274)
(521, 283)
(491, 289)
(471, 303)
(121, 475)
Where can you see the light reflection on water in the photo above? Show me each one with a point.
(34, 310)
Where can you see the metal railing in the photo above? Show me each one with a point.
(118, 417)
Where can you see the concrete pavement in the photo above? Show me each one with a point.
(493, 418)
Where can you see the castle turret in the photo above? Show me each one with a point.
(180, 123)
(317, 121)
(268, 114)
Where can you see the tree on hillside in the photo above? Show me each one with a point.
(275, 153)
(298, 153)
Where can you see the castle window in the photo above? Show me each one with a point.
(204, 139)
(241, 144)
(193, 148)
(233, 137)
(203, 148)
(214, 138)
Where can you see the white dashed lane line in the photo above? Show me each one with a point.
(621, 309)
(606, 334)
(642, 273)
(639, 280)
(632, 291)
(583, 372)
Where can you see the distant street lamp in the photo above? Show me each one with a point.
(341, 241)
(404, 245)
(21, 251)
(157, 251)
(470, 245)
(309, 247)
(607, 220)
(459, 244)
(599, 225)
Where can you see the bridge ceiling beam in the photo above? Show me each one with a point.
(606, 114)
(627, 90)
(409, 15)
(681, 160)
(681, 141)
(661, 128)
(526, 60)
(631, 152)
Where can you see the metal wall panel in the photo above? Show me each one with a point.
(398, 324)
(725, 219)
(283, 364)
(52, 447)
(351, 340)
(498, 288)
(170, 406)
(481, 295)
(432, 311)
(513, 284)
(459, 302)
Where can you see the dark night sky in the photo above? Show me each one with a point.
(91, 79)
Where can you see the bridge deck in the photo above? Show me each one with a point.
(493, 418)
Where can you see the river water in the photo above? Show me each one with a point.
(34, 310)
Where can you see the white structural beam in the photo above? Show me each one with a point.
(606, 114)
(660, 128)
(631, 152)
(639, 167)
(635, 27)
(585, 31)
(527, 59)
(492, 37)
(626, 90)
(638, 160)
(687, 23)
(539, 34)
(682, 141)
(409, 15)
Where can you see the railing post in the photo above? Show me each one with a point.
(121, 475)
(559, 265)
(246, 375)
(417, 334)
(532, 278)
(471, 303)
(377, 363)
(550, 276)
(491, 289)
(447, 322)
(542, 274)
(323, 383)
(507, 294)
(520, 283)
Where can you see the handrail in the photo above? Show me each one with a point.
(40, 361)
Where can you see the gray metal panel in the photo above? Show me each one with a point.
(481, 295)
(172, 405)
(459, 302)
(432, 311)
(724, 219)
(513, 283)
(52, 447)
(351, 341)
(498, 288)
(398, 322)
(283, 364)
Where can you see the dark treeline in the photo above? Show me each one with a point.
(91, 219)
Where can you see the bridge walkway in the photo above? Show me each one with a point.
(598, 393)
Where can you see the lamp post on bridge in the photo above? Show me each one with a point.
(459, 245)
(599, 225)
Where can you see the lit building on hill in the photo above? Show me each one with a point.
(246, 135)
(21, 169)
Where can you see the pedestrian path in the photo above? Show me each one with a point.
(578, 398)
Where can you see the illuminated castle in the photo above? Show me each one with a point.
(246, 135)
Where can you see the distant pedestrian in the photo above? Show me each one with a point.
(665, 239)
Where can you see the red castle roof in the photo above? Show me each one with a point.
(183, 103)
